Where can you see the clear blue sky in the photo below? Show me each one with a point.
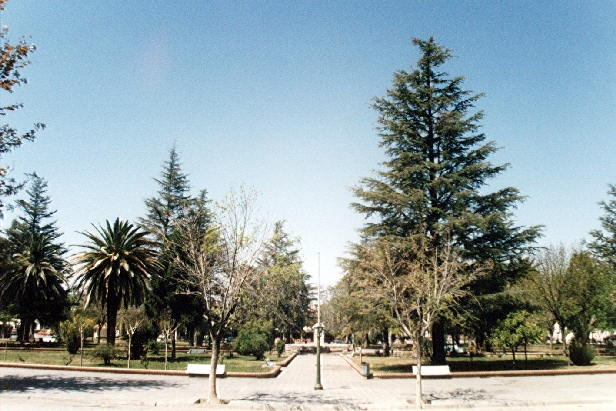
(277, 95)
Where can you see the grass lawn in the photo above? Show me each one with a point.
(504, 363)
(237, 363)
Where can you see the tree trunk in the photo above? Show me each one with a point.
(438, 344)
(418, 388)
(81, 347)
(24, 329)
(130, 336)
(166, 348)
(213, 395)
(173, 345)
(386, 345)
(513, 353)
(112, 313)
(98, 337)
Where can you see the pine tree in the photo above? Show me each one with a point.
(33, 283)
(282, 294)
(433, 184)
(163, 214)
(36, 210)
(163, 211)
(604, 244)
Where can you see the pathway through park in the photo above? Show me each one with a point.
(344, 389)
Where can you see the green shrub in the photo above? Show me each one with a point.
(253, 339)
(140, 343)
(69, 335)
(581, 354)
(154, 347)
(104, 352)
(280, 347)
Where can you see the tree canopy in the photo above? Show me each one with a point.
(115, 268)
(434, 183)
(33, 277)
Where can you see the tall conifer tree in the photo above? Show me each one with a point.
(433, 184)
(33, 279)
(163, 214)
(604, 244)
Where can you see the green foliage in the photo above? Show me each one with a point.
(105, 352)
(352, 306)
(280, 347)
(144, 342)
(517, 329)
(588, 289)
(254, 339)
(164, 212)
(70, 336)
(73, 329)
(32, 282)
(581, 354)
(154, 347)
(115, 268)
(434, 183)
(604, 244)
(282, 294)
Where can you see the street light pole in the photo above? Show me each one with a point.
(318, 327)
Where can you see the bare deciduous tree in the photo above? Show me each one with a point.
(220, 260)
(132, 318)
(418, 283)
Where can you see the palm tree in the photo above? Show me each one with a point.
(115, 268)
(33, 281)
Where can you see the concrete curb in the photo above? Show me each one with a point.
(179, 373)
(355, 366)
(485, 374)
(107, 370)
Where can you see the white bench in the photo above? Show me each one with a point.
(204, 369)
(433, 370)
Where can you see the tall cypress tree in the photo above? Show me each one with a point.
(32, 284)
(163, 214)
(165, 209)
(604, 244)
(282, 294)
(434, 182)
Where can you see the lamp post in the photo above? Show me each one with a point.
(318, 327)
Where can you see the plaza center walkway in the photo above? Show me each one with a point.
(344, 389)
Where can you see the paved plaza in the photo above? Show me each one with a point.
(344, 389)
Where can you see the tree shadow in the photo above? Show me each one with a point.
(501, 364)
(303, 398)
(399, 368)
(18, 383)
(458, 394)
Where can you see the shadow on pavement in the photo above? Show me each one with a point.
(302, 398)
(464, 395)
(17, 383)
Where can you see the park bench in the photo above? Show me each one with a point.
(433, 371)
(204, 369)
(197, 351)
